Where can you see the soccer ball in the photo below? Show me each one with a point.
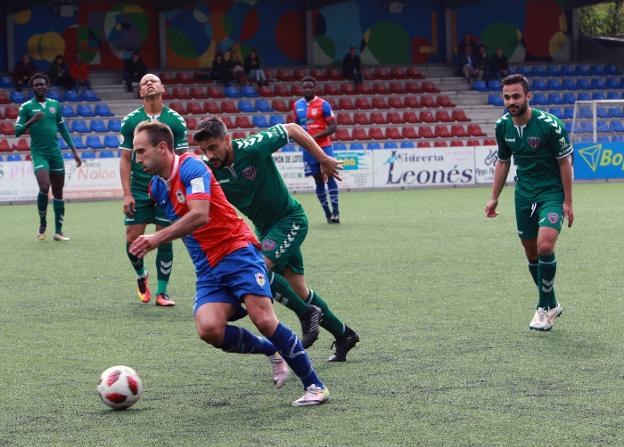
(119, 387)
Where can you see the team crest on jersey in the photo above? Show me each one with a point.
(553, 218)
(260, 279)
(268, 245)
(314, 111)
(534, 142)
(249, 173)
(180, 196)
(52, 109)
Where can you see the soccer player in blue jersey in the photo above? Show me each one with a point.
(232, 279)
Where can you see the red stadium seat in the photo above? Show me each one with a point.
(282, 90)
(7, 129)
(392, 133)
(215, 92)
(459, 115)
(334, 74)
(362, 104)
(396, 87)
(425, 132)
(1, 114)
(229, 107)
(440, 144)
(11, 112)
(178, 107)
(194, 108)
(361, 118)
(380, 88)
(191, 123)
(475, 130)
(345, 119)
(409, 133)
(458, 131)
(359, 134)
(395, 118)
(285, 75)
(444, 101)
(423, 144)
(443, 116)
(379, 102)
(4, 146)
(346, 104)
(395, 102)
(410, 117)
(398, 73)
(413, 73)
(473, 143)
(265, 91)
(375, 133)
(442, 132)
(297, 90)
(243, 122)
(412, 87)
(167, 78)
(428, 87)
(212, 107)
(184, 77)
(198, 92)
(290, 118)
(21, 145)
(331, 90)
(343, 134)
(382, 73)
(458, 143)
(180, 93)
(279, 106)
(239, 134)
(427, 102)
(319, 74)
(4, 99)
(300, 73)
(378, 118)
(364, 89)
(427, 117)
(228, 122)
(412, 102)
(332, 102)
(489, 142)
(347, 89)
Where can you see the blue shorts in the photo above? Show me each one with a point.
(240, 273)
(311, 166)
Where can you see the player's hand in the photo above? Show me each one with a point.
(330, 167)
(77, 159)
(129, 206)
(143, 245)
(568, 213)
(37, 117)
(490, 208)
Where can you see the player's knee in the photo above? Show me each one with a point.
(211, 333)
(265, 321)
(44, 187)
(545, 248)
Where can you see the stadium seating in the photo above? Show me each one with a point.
(94, 142)
(114, 125)
(79, 126)
(111, 141)
(97, 126)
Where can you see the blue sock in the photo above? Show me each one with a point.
(292, 351)
(241, 341)
(332, 186)
(322, 197)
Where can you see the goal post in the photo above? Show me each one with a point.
(594, 119)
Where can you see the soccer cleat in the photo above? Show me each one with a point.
(335, 218)
(554, 313)
(41, 232)
(280, 370)
(310, 321)
(343, 345)
(314, 395)
(143, 290)
(540, 320)
(162, 299)
(61, 237)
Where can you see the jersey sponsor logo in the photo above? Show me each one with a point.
(591, 156)
(197, 185)
(534, 142)
(510, 140)
(180, 196)
(268, 245)
(249, 173)
(553, 218)
(260, 279)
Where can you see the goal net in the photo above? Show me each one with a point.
(597, 121)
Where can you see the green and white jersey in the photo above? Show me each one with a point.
(253, 183)
(42, 133)
(536, 148)
(139, 179)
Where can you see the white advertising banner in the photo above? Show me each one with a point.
(358, 169)
(410, 168)
(485, 162)
(290, 165)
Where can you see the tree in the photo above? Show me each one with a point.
(604, 19)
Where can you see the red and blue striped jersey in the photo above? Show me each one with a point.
(223, 234)
(313, 116)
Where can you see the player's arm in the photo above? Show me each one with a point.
(329, 165)
(501, 171)
(23, 122)
(64, 131)
(562, 151)
(180, 136)
(125, 167)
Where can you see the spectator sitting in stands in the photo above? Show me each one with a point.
(134, 70)
(352, 66)
(79, 72)
(235, 66)
(482, 62)
(468, 67)
(253, 68)
(499, 65)
(24, 69)
(220, 70)
(466, 42)
(59, 73)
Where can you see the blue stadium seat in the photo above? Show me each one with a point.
(612, 83)
(111, 141)
(494, 85)
(554, 98)
(103, 110)
(617, 138)
(390, 145)
(583, 96)
(54, 94)
(602, 126)
(259, 121)
(97, 126)
(232, 91)
(17, 97)
(568, 113)
(553, 70)
(62, 143)
(94, 142)
(114, 125)
(79, 126)
(538, 70)
(85, 110)
(249, 91)
(14, 157)
(87, 155)
(479, 86)
(6, 82)
(598, 96)
(598, 83)
(78, 143)
(568, 70)
(585, 112)
(407, 144)
(569, 98)
(557, 111)
(356, 146)
(554, 84)
(89, 95)
(72, 96)
(523, 70)
(539, 99)
(245, 106)
(583, 84)
(603, 139)
(68, 111)
(276, 119)
(568, 84)
(615, 112)
(568, 126)
(262, 105)
(585, 127)
(68, 155)
(597, 69)
(107, 154)
(495, 100)
(373, 146)
(339, 146)
(617, 126)
(539, 84)
(583, 70)
(613, 95)
(289, 148)
(611, 69)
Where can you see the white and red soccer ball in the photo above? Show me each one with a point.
(120, 387)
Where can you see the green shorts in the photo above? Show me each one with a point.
(146, 212)
(531, 216)
(54, 163)
(282, 242)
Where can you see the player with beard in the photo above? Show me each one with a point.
(542, 152)
(138, 208)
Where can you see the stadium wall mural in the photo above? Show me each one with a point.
(534, 30)
(3, 48)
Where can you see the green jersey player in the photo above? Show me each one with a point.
(43, 118)
(251, 182)
(542, 152)
(138, 207)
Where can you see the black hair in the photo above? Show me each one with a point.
(208, 128)
(39, 75)
(308, 79)
(517, 79)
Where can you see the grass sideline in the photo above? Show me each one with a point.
(440, 296)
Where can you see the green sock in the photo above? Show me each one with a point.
(164, 264)
(137, 263)
(59, 215)
(329, 320)
(547, 267)
(285, 295)
(533, 270)
(42, 207)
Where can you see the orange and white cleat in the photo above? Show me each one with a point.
(143, 291)
(314, 395)
(61, 237)
(280, 370)
(41, 232)
(162, 299)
